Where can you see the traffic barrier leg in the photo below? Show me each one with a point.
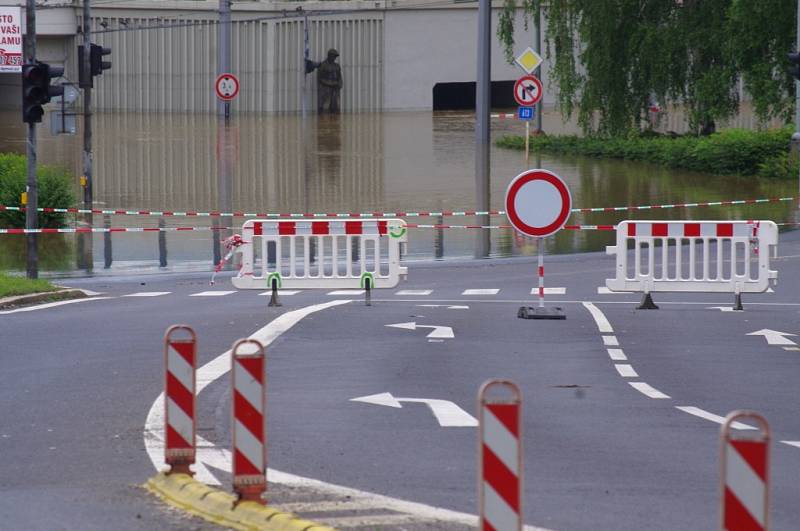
(273, 300)
(500, 458)
(647, 303)
(180, 383)
(249, 385)
(744, 481)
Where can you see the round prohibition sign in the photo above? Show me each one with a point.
(538, 203)
(226, 86)
(528, 91)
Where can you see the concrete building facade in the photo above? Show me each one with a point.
(393, 53)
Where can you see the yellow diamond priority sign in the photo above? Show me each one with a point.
(529, 60)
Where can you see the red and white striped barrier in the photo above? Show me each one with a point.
(249, 386)
(500, 458)
(693, 256)
(180, 364)
(376, 214)
(745, 475)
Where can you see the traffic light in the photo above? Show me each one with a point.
(96, 64)
(794, 70)
(96, 58)
(36, 89)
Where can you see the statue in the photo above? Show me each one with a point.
(329, 82)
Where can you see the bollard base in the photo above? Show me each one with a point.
(252, 493)
(273, 299)
(180, 468)
(551, 312)
(647, 303)
(737, 305)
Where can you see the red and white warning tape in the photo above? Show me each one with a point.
(400, 214)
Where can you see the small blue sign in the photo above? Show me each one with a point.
(525, 113)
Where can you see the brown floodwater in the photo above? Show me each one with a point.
(409, 161)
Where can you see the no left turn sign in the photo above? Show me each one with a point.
(226, 86)
(538, 203)
(528, 91)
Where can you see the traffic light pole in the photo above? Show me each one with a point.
(85, 247)
(31, 213)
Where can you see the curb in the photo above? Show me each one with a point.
(183, 492)
(46, 296)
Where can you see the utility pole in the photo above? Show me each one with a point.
(223, 122)
(31, 213)
(482, 136)
(538, 73)
(796, 135)
(86, 256)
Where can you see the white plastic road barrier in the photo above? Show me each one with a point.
(745, 475)
(249, 387)
(336, 254)
(500, 458)
(180, 363)
(694, 256)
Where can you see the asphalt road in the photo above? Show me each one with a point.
(77, 382)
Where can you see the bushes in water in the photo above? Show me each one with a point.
(54, 186)
(732, 151)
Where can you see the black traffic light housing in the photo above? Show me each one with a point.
(96, 64)
(36, 89)
(794, 70)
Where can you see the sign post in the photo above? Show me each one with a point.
(538, 203)
(528, 92)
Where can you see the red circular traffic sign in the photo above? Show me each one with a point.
(226, 86)
(538, 203)
(528, 91)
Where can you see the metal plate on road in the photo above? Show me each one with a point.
(538, 203)
(528, 91)
(226, 86)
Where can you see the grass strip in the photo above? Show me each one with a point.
(11, 286)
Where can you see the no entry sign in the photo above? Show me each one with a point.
(226, 86)
(538, 203)
(528, 91)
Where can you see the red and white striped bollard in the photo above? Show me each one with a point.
(744, 481)
(500, 458)
(180, 364)
(249, 401)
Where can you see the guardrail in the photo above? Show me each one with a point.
(693, 256)
(337, 254)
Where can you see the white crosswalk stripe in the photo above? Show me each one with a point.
(414, 292)
(550, 291)
(282, 292)
(148, 294)
(484, 291)
(211, 293)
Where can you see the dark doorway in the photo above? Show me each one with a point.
(460, 96)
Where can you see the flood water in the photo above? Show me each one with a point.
(410, 161)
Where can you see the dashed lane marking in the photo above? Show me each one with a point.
(616, 354)
(602, 323)
(610, 341)
(448, 306)
(550, 291)
(211, 293)
(346, 292)
(792, 349)
(484, 291)
(281, 292)
(648, 390)
(421, 292)
(625, 370)
(52, 305)
(796, 444)
(148, 294)
(703, 414)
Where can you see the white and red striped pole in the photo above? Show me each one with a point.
(500, 457)
(745, 475)
(180, 364)
(540, 245)
(249, 401)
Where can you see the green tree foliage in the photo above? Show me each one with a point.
(609, 59)
(54, 187)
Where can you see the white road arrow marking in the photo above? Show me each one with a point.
(774, 337)
(447, 413)
(439, 332)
